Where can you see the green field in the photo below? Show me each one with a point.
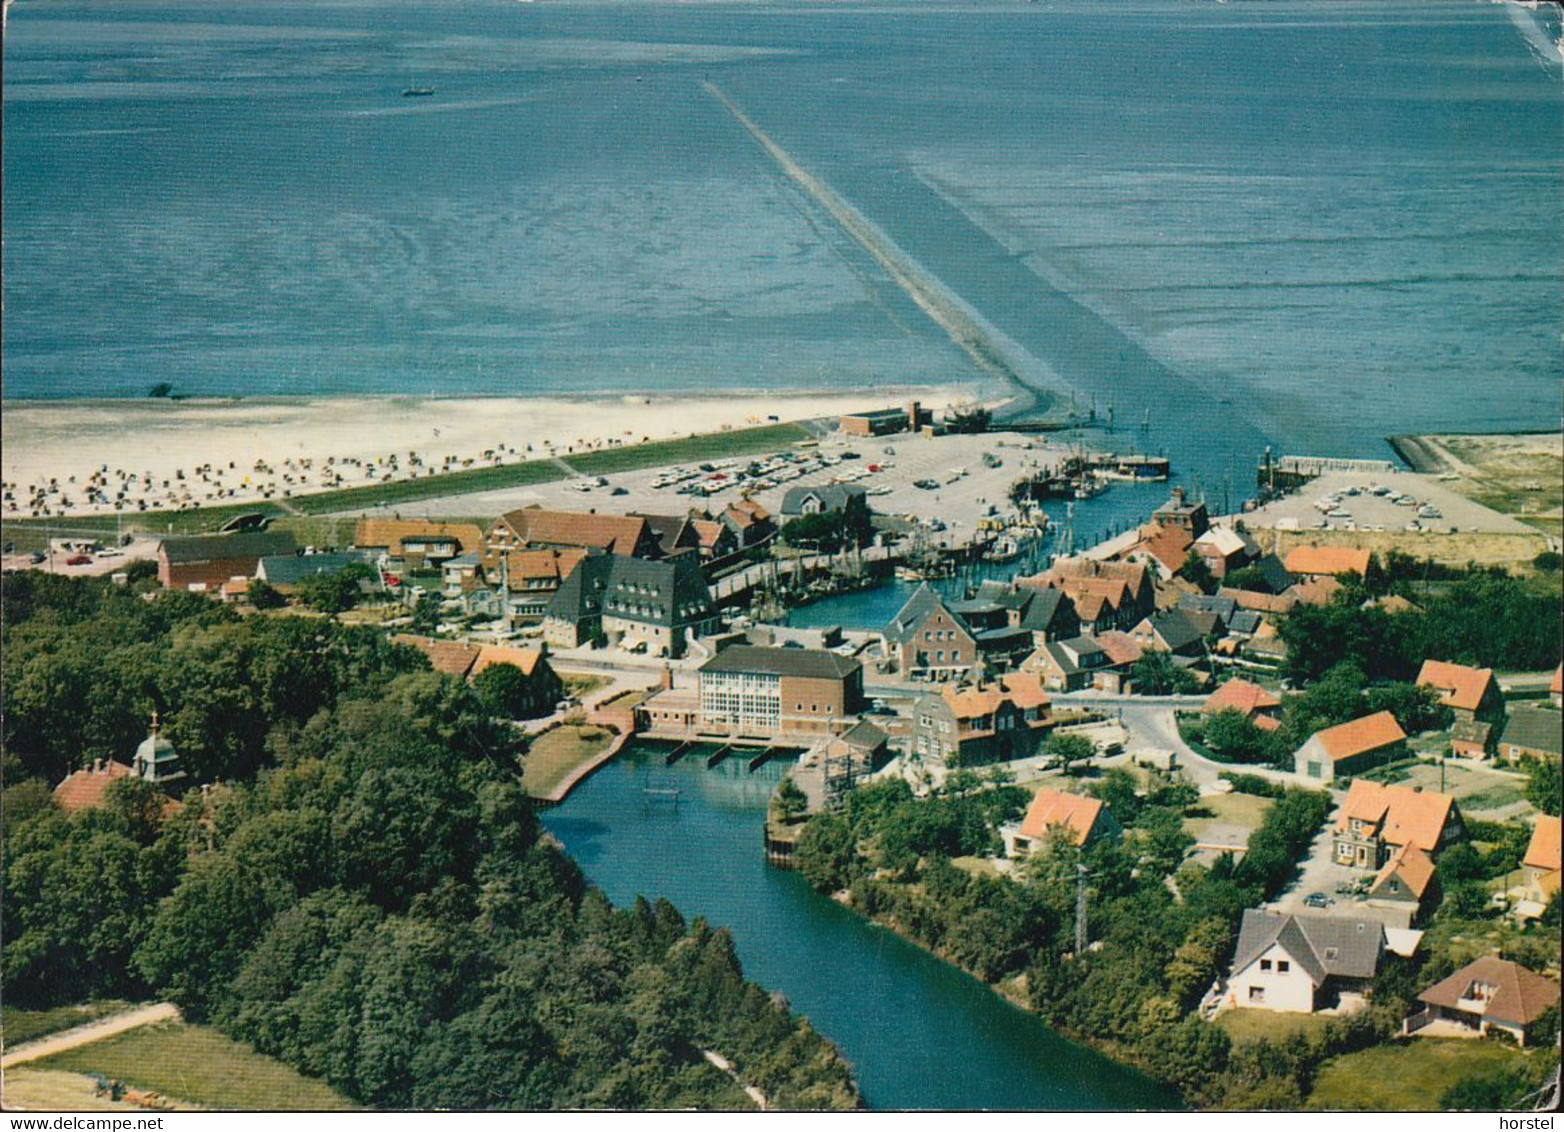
(1251, 1025)
(710, 446)
(1406, 1076)
(1229, 814)
(200, 1065)
(20, 1026)
(555, 754)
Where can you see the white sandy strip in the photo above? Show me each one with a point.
(153, 440)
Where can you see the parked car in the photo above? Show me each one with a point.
(1318, 900)
(79, 560)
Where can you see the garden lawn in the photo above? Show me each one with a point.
(1406, 1076)
(1233, 818)
(1252, 1025)
(199, 1065)
(555, 754)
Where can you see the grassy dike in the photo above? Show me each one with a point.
(34, 534)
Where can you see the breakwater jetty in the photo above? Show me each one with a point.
(932, 298)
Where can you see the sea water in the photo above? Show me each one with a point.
(1310, 223)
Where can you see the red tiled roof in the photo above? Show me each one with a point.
(1462, 687)
(1556, 685)
(1356, 736)
(1240, 695)
(454, 658)
(1315, 591)
(1405, 816)
(1542, 852)
(551, 565)
(1262, 603)
(1412, 866)
(747, 511)
(86, 789)
(1169, 545)
(1025, 689)
(1266, 722)
(1327, 560)
(390, 533)
(1519, 995)
(618, 534)
(1119, 648)
(525, 659)
(708, 531)
(1050, 808)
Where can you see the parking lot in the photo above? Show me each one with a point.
(966, 484)
(1388, 501)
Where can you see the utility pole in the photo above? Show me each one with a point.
(1080, 910)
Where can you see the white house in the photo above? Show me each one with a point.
(1300, 963)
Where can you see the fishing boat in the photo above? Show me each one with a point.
(1004, 549)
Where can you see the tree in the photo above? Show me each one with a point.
(826, 853)
(1233, 734)
(1250, 578)
(507, 691)
(791, 801)
(1195, 571)
(330, 593)
(1117, 791)
(263, 596)
(426, 613)
(1415, 708)
(1070, 749)
(1155, 674)
(1548, 562)
(1542, 785)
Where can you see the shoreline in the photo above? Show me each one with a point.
(80, 457)
(1109, 1051)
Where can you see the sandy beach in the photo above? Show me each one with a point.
(81, 457)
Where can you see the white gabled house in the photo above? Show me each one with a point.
(1299, 964)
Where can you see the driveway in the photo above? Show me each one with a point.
(91, 1032)
(1319, 872)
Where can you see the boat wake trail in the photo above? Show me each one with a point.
(947, 311)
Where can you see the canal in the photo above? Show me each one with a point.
(920, 1034)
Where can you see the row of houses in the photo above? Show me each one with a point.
(1302, 963)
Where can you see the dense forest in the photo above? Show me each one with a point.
(355, 883)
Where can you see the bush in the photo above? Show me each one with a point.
(1253, 784)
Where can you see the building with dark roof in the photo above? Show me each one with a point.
(816, 500)
(632, 603)
(1533, 732)
(286, 572)
(1179, 512)
(205, 562)
(750, 691)
(928, 641)
(1300, 963)
(1178, 631)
